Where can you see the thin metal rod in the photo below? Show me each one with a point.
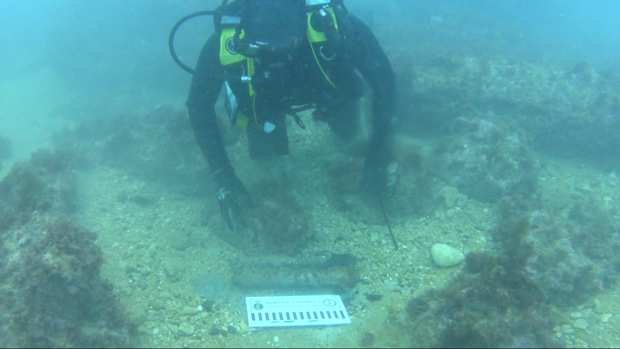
(387, 222)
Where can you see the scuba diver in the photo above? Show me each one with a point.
(274, 58)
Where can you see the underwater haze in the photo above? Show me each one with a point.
(506, 215)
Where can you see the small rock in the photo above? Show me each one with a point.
(462, 200)
(174, 329)
(232, 329)
(156, 330)
(276, 339)
(450, 196)
(576, 195)
(322, 200)
(373, 297)
(208, 305)
(446, 256)
(361, 225)
(170, 270)
(188, 311)
(581, 324)
(597, 304)
(605, 318)
(450, 213)
(558, 317)
(576, 315)
(214, 331)
(186, 329)
(368, 338)
(567, 329)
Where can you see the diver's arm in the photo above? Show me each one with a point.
(206, 85)
(366, 54)
(205, 89)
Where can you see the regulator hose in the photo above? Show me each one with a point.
(174, 31)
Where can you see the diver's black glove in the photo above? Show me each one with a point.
(380, 177)
(231, 198)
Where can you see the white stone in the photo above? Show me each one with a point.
(446, 256)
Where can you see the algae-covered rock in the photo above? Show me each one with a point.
(492, 302)
(54, 294)
(485, 159)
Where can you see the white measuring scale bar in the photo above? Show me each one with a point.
(296, 311)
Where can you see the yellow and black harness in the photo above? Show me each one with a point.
(229, 57)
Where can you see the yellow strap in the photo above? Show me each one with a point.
(252, 92)
(319, 64)
(250, 73)
(254, 109)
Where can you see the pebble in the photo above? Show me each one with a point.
(450, 195)
(597, 304)
(208, 305)
(576, 315)
(156, 330)
(446, 256)
(462, 200)
(174, 329)
(232, 329)
(605, 318)
(276, 339)
(361, 225)
(155, 305)
(186, 329)
(450, 213)
(187, 311)
(581, 324)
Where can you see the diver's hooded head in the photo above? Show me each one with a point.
(276, 27)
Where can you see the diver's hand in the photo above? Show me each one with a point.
(232, 197)
(380, 179)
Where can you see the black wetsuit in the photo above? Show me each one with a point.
(300, 81)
